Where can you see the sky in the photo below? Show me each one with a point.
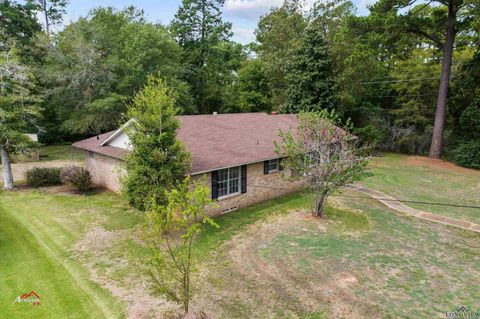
(244, 14)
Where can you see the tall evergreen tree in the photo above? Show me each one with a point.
(200, 30)
(157, 162)
(309, 76)
(52, 11)
(439, 23)
(18, 24)
(279, 34)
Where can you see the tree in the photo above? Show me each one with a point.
(97, 64)
(415, 101)
(321, 155)
(52, 11)
(172, 231)
(157, 162)
(253, 86)
(310, 75)
(18, 24)
(438, 27)
(200, 31)
(18, 110)
(279, 34)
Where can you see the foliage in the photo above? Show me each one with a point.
(97, 64)
(18, 24)
(78, 177)
(467, 154)
(19, 110)
(52, 11)
(253, 85)
(209, 57)
(309, 75)
(43, 176)
(157, 161)
(278, 35)
(172, 233)
(321, 155)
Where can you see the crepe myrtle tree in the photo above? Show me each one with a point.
(321, 155)
(18, 111)
(172, 230)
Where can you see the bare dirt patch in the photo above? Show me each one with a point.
(257, 273)
(438, 164)
(132, 288)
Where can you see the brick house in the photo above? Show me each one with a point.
(233, 153)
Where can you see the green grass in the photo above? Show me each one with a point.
(404, 267)
(37, 233)
(60, 153)
(413, 178)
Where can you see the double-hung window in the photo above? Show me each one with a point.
(228, 181)
(273, 165)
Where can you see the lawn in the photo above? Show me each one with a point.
(60, 153)
(85, 257)
(37, 234)
(421, 179)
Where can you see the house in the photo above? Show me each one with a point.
(233, 153)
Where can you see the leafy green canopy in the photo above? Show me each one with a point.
(18, 24)
(209, 57)
(279, 34)
(19, 108)
(158, 161)
(97, 64)
(310, 75)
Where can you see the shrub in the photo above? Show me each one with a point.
(43, 176)
(78, 177)
(467, 154)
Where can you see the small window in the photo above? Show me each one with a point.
(273, 165)
(91, 154)
(228, 181)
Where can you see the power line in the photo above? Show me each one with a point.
(377, 198)
(407, 95)
(395, 81)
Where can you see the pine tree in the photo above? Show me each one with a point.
(309, 75)
(157, 162)
(199, 29)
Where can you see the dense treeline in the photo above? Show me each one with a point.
(389, 71)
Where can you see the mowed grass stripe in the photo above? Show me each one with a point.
(28, 263)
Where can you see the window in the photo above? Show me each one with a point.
(228, 181)
(273, 165)
(91, 155)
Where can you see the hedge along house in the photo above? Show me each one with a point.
(233, 153)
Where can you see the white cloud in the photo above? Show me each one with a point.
(250, 9)
(363, 5)
(243, 35)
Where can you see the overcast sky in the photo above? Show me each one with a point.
(244, 14)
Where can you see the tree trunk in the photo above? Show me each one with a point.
(45, 12)
(437, 136)
(7, 169)
(320, 205)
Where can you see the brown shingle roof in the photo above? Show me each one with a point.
(218, 141)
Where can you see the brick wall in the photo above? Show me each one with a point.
(255, 192)
(105, 170)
